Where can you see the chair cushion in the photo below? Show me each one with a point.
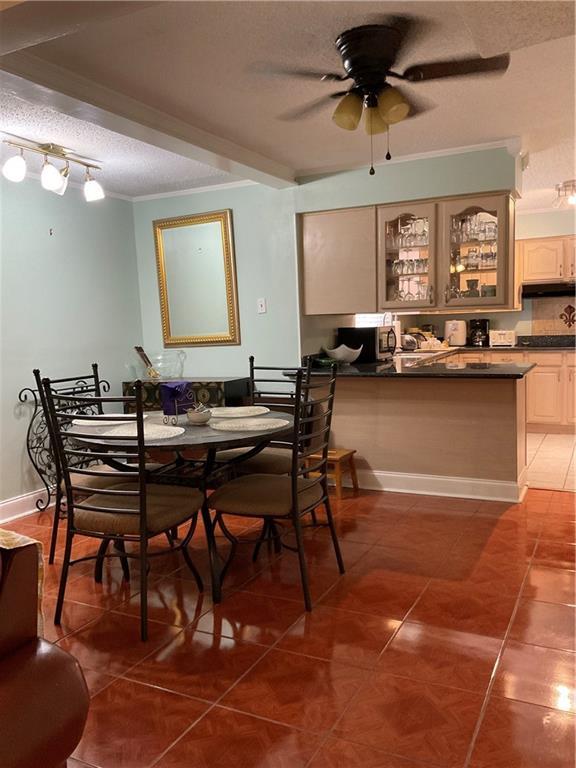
(263, 496)
(166, 506)
(270, 461)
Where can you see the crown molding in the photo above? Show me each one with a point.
(196, 190)
(512, 145)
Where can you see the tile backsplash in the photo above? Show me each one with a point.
(553, 315)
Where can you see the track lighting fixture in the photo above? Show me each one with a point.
(52, 178)
(565, 194)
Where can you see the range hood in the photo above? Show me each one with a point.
(538, 290)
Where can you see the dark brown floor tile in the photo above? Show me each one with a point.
(171, 601)
(337, 635)
(552, 585)
(436, 655)
(231, 739)
(446, 505)
(518, 735)
(416, 720)
(417, 559)
(337, 753)
(111, 592)
(549, 624)
(252, 617)
(296, 690)
(464, 608)
(555, 555)
(74, 616)
(197, 664)
(112, 643)
(130, 725)
(377, 591)
(537, 675)
(503, 575)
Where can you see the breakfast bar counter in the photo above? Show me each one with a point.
(435, 428)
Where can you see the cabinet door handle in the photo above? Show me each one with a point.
(431, 294)
(447, 294)
(560, 270)
(559, 375)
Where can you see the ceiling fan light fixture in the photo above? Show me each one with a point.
(348, 113)
(392, 106)
(373, 122)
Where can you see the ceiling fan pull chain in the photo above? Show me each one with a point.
(371, 171)
(388, 155)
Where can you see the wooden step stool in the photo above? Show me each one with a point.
(340, 463)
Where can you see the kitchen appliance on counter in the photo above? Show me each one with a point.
(367, 338)
(412, 341)
(479, 332)
(455, 332)
(502, 338)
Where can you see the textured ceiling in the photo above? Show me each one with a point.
(205, 62)
(129, 167)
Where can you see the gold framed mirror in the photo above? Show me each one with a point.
(197, 279)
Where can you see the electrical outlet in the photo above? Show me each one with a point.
(261, 306)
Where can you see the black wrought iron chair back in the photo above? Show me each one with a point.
(38, 442)
(128, 509)
(276, 498)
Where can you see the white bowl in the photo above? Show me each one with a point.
(344, 354)
(198, 418)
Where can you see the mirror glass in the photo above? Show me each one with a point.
(197, 279)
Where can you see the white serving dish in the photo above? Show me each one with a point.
(344, 354)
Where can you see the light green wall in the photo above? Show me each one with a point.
(264, 237)
(482, 171)
(67, 299)
(546, 224)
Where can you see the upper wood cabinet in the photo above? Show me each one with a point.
(339, 262)
(476, 252)
(406, 256)
(455, 253)
(543, 260)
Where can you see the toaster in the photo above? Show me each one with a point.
(502, 338)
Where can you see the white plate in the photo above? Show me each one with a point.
(151, 431)
(106, 420)
(239, 412)
(250, 425)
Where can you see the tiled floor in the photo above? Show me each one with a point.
(551, 461)
(448, 643)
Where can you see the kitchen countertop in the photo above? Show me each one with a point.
(435, 370)
(565, 341)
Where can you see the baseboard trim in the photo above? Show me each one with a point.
(436, 485)
(20, 506)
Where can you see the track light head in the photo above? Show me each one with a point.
(14, 169)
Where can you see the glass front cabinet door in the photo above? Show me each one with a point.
(474, 251)
(406, 256)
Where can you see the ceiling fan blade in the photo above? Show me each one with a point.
(435, 70)
(418, 104)
(309, 109)
(308, 74)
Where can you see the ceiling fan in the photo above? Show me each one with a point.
(368, 56)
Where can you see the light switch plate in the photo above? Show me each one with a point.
(261, 306)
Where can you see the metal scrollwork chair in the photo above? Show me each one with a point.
(38, 443)
(286, 499)
(128, 509)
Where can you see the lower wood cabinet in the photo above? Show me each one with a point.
(550, 386)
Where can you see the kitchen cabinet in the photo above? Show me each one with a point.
(545, 395)
(406, 256)
(452, 254)
(476, 253)
(339, 261)
(550, 259)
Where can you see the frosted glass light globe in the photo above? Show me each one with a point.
(93, 190)
(50, 177)
(14, 168)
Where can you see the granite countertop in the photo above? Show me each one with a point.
(435, 370)
(564, 341)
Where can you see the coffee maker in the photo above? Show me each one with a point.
(479, 332)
